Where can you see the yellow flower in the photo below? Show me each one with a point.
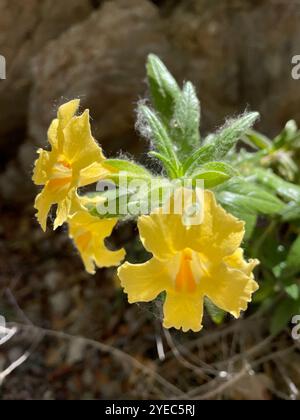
(191, 262)
(74, 161)
(88, 233)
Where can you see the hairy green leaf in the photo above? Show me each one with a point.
(291, 212)
(288, 135)
(159, 135)
(258, 140)
(247, 196)
(228, 136)
(186, 121)
(224, 167)
(163, 87)
(222, 142)
(214, 173)
(285, 189)
(127, 166)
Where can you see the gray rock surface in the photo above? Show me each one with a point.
(101, 61)
(26, 26)
(237, 52)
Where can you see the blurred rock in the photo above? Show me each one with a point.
(15, 182)
(238, 53)
(25, 28)
(102, 61)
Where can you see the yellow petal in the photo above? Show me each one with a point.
(89, 233)
(83, 202)
(92, 173)
(184, 311)
(42, 167)
(161, 235)
(84, 220)
(237, 260)
(43, 203)
(63, 209)
(144, 282)
(79, 147)
(219, 235)
(164, 233)
(230, 289)
(101, 257)
(53, 134)
(65, 114)
(105, 257)
(88, 262)
(198, 260)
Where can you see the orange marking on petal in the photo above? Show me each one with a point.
(83, 240)
(58, 183)
(185, 280)
(61, 176)
(65, 164)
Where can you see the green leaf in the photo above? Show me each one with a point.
(166, 163)
(285, 189)
(132, 201)
(266, 289)
(199, 157)
(123, 206)
(247, 196)
(217, 315)
(211, 178)
(288, 135)
(224, 167)
(163, 87)
(246, 201)
(291, 128)
(251, 222)
(283, 315)
(258, 140)
(214, 173)
(186, 121)
(159, 135)
(293, 258)
(125, 178)
(291, 212)
(229, 135)
(159, 192)
(129, 167)
(250, 219)
(113, 203)
(222, 142)
(127, 171)
(293, 291)
(273, 255)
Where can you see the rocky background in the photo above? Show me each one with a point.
(238, 53)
